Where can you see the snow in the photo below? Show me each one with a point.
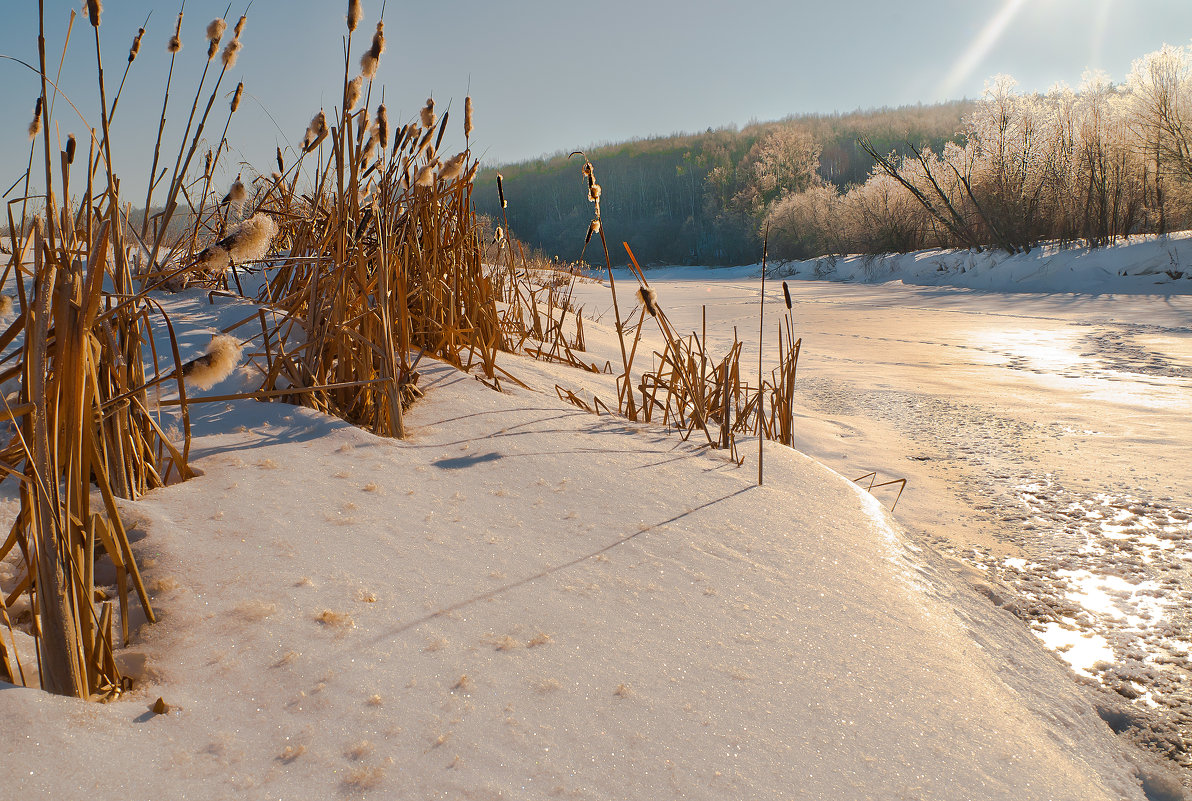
(523, 600)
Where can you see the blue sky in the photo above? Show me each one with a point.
(550, 75)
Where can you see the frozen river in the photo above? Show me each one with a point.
(1046, 441)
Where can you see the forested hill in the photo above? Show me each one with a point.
(701, 198)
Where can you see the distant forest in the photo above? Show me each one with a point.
(1081, 166)
(703, 198)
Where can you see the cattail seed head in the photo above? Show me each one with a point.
(355, 86)
(70, 148)
(216, 29)
(355, 14)
(786, 293)
(230, 53)
(648, 298)
(212, 48)
(594, 193)
(372, 58)
(236, 97)
(240, 26)
(426, 176)
(35, 126)
(136, 46)
(316, 132)
(210, 159)
(94, 9)
(468, 117)
(501, 191)
(217, 363)
(383, 126)
(453, 167)
(175, 43)
(428, 113)
(236, 195)
(281, 164)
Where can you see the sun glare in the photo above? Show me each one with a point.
(980, 47)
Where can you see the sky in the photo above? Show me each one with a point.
(555, 75)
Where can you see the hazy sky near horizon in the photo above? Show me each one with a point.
(551, 75)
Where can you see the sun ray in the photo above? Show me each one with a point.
(980, 47)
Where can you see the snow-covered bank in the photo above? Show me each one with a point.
(524, 600)
(1142, 265)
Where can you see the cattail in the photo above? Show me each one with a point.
(275, 176)
(210, 160)
(370, 147)
(499, 237)
(501, 191)
(236, 194)
(371, 59)
(468, 117)
(175, 43)
(236, 97)
(281, 164)
(594, 193)
(430, 149)
(426, 176)
(453, 167)
(383, 126)
(316, 132)
(216, 29)
(250, 240)
(355, 14)
(230, 53)
(94, 9)
(136, 46)
(35, 126)
(648, 297)
(70, 148)
(216, 364)
(355, 87)
(786, 293)
(213, 259)
(240, 26)
(428, 113)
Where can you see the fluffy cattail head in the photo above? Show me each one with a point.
(216, 29)
(372, 58)
(175, 43)
(468, 117)
(236, 97)
(236, 194)
(136, 46)
(426, 176)
(35, 126)
(428, 113)
(355, 14)
(316, 132)
(501, 191)
(648, 298)
(383, 126)
(250, 240)
(70, 148)
(453, 167)
(281, 163)
(355, 87)
(216, 364)
(94, 9)
(230, 53)
(594, 193)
